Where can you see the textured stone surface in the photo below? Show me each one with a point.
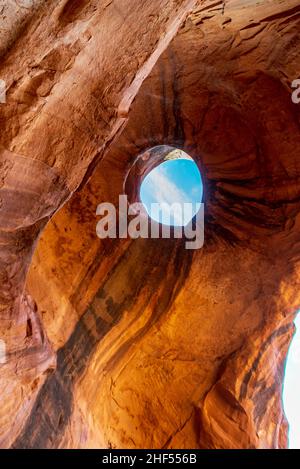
(71, 72)
(142, 343)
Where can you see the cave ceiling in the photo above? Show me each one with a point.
(141, 343)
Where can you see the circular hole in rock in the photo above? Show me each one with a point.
(172, 192)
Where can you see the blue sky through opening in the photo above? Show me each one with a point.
(291, 389)
(173, 181)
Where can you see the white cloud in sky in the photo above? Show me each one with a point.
(162, 190)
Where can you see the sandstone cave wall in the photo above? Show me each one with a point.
(146, 344)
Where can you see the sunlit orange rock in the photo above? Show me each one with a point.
(141, 343)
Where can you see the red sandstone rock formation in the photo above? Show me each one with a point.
(141, 343)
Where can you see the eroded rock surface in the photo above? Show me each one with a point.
(142, 343)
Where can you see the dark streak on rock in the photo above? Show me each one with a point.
(277, 333)
(53, 407)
